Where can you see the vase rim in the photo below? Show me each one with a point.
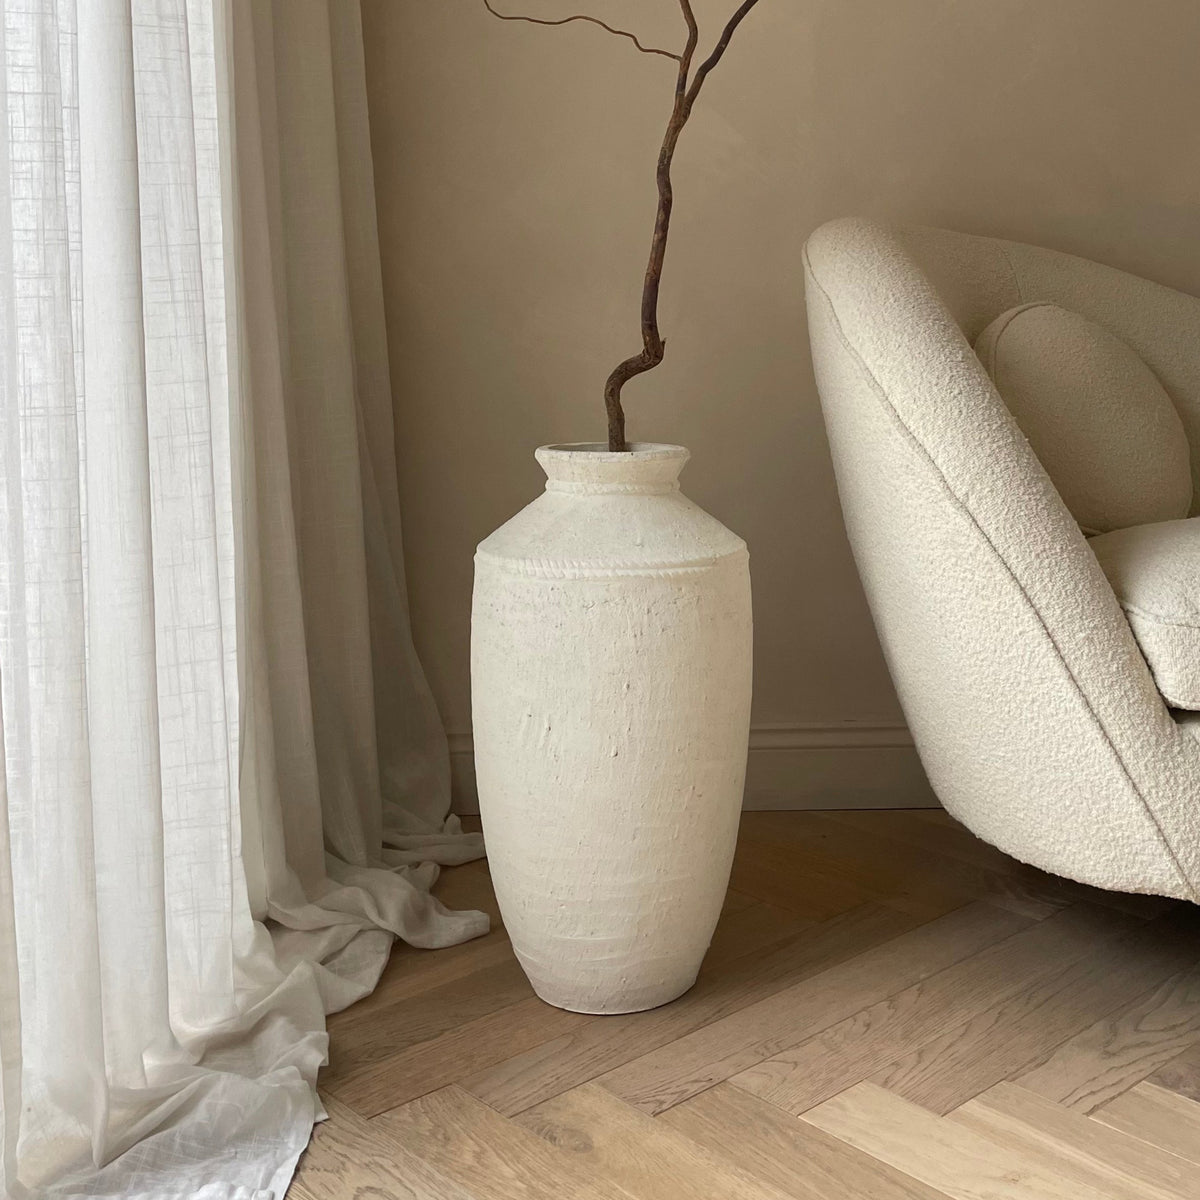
(594, 450)
(592, 467)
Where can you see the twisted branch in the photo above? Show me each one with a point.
(653, 344)
(591, 20)
(719, 50)
(687, 88)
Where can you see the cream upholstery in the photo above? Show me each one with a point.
(1155, 572)
(1096, 416)
(1034, 712)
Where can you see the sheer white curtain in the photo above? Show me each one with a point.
(222, 779)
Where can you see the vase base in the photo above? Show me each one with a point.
(624, 1000)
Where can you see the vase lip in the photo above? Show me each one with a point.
(592, 450)
(645, 466)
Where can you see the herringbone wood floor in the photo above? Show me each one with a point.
(891, 1009)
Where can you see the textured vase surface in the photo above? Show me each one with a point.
(610, 678)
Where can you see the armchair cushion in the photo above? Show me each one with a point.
(1155, 572)
(1097, 417)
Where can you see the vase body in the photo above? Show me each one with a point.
(610, 680)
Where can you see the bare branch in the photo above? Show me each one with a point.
(686, 91)
(653, 344)
(721, 46)
(591, 20)
(689, 18)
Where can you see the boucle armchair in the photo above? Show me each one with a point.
(1032, 707)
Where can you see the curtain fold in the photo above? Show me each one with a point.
(224, 787)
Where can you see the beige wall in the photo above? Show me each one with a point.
(514, 172)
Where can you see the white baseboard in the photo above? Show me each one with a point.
(794, 767)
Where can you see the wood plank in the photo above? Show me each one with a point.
(877, 853)
(1070, 1143)
(862, 1044)
(520, 1077)
(796, 1157)
(894, 864)
(779, 876)
(947, 838)
(1124, 1048)
(789, 852)
(935, 816)
(1028, 1024)
(1163, 1118)
(460, 1052)
(749, 930)
(670, 1074)
(381, 1032)
(942, 1154)
(411, 971)
(350, 1159)
(487, 1155)
(1181, 1074)
(951, 839)
(646, 1158)
(735, 901)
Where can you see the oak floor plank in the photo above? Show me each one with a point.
(945, 1155)
(670, 1074)
(1163, 1118)
(350, 1159)
(778, 875)
(379, 1033)
(796, 1157)
(488, 1155)
(946, 838)
(645, 1157)
(456, 1054)
(1124, 1048)
(949, 838)
(522, 1077)
(935, 816)
(1073, 1145)
(862, 1044)
(880, 853)
(749, 930)
(1026, 1026)
(1181, 1074)
(412, 971)
(791, 852)
(735, 901)
(894, 864)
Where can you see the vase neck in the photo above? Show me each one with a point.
(646, 468)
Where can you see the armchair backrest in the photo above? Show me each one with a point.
(978, 278)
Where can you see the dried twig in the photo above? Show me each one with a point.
(591, 20)
(687, 88)
(653, 346)
(719, 50)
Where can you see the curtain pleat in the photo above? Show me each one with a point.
(224, 786)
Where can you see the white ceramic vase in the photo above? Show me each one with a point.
(610, 678)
